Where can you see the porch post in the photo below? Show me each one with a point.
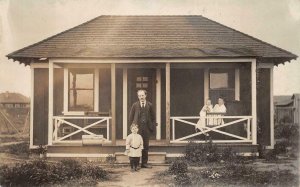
(125, 103)
(31, 107)
(206, 84)
(66, 90)
(50, 104)
(113, 103)
(96, 92)
(253, 97)
(271, 109)
(168, 112)
(158, 104)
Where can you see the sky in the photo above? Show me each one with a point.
(24, 22)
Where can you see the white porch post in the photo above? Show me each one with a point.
(271, 110)
(158, 104)
(125, 72)
(206, 84)
(168, 112)
(96, 92)
(237, 84)
(253, 98)
(113, 103)
(66, 90)
(31, 107)
(50, 107)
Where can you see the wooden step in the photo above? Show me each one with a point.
(153, 157)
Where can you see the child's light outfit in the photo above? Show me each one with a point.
(201, 123)
(219, 109)
(134, 143)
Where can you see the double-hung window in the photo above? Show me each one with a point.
(222, 84)
(81, 89)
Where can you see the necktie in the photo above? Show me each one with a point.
(143, 105)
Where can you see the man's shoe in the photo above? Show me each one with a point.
(145, 166)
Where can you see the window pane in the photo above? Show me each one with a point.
(81, 100)
(139, 79)
(145, 85)
(218, 80)
(81, 89)
(145, 79)
(138, 85)
(81, 78)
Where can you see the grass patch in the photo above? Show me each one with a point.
(21, 149)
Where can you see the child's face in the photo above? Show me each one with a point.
(208, 102)
(134, 130)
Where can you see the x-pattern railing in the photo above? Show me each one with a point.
(212, 127)
(59, 120)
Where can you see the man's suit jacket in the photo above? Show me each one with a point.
(134, 115)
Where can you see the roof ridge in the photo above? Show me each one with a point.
(50, 37)
(252, 37)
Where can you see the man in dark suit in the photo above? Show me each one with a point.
(143, 115)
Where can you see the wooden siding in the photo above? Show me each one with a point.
(187, 92)
(245, 87)
(40, 116)
(263, 106)
(104, 91)
(58, 91)
(119, 103)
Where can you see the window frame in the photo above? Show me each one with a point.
(66, 110)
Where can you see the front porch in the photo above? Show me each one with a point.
(113, 90)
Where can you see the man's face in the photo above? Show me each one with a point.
(141, 96)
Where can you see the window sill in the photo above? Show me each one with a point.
(74, 113)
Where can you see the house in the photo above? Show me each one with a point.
(84, 81)
(287, 108)
(14, 100)
(14, 113)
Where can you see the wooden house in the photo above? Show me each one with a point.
(14, 100)
(84, 81)
(287, 109)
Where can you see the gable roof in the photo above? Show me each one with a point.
(151, 37)
(9, 97)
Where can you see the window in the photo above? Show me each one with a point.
(142, 82)
(218, 80)
(81, 90)
(222, 84)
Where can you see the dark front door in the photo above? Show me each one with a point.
(141, 79)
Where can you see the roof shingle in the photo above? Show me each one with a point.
(151, 36)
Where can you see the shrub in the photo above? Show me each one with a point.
(271, 155)
(281, 147)
(227, 154)
(178, 166)
(288, 131)
(71, 168)
(182, 179)
(41, 172)
(94, 171)
(202, 153)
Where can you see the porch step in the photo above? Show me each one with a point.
(153, 157)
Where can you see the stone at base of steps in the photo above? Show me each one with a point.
(153, 157)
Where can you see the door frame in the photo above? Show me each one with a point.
(157, 101)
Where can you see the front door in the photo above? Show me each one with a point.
(142, 79)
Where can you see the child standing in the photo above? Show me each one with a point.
(208, 107)
(134, 146)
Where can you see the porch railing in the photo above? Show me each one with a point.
(71, 128)
(214, 123)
